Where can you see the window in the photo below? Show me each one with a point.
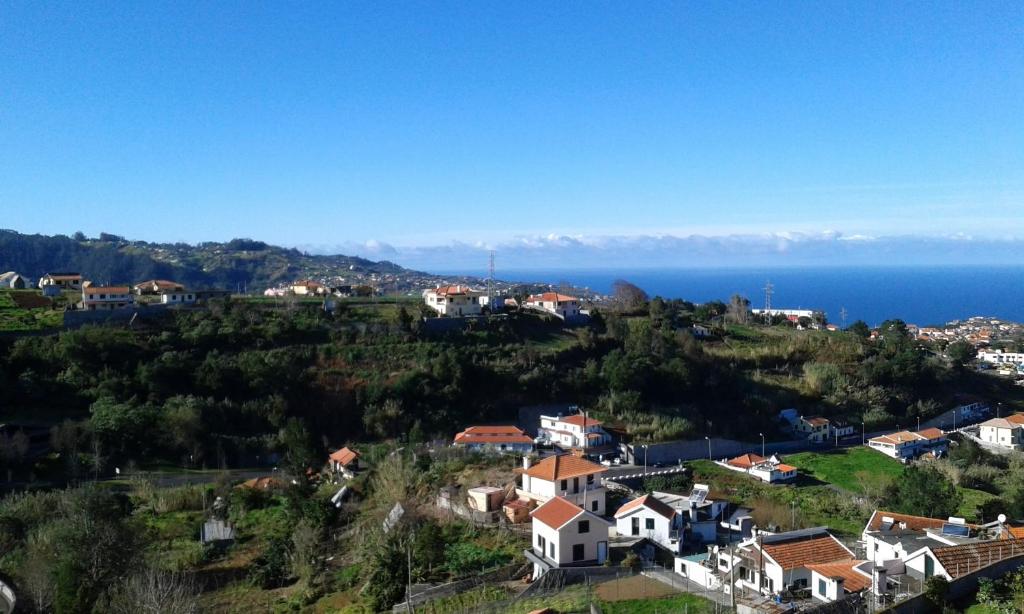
(575, 484)
(723, 563)
(565, 485)
(551, 550)
(649, 524)
(577, 552)
(590, 479)
(593, 505)
(541, 542)
(929, 566)
(584, 526)
(821, 587)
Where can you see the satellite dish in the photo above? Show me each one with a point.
(1002, 518)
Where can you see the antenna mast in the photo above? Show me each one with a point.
(768, 290)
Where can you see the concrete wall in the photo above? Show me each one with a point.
(671, 452)
(78, 318)
(961, 587)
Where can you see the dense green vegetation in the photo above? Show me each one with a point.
(24, 310)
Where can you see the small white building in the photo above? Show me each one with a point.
(177, 298)
(1005, 432)
(494, 439)
(770, 470)
(99, 298)
(814, 428)
(575, 431)
(560, 305)
(308, 287)
(453, 301)
(906, 445)
(648, 517)
(157, 286)
(566, 535)
(64, 281)
(834, 581)
(571, 477)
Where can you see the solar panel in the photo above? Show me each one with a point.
(957, 530)
(698, 496)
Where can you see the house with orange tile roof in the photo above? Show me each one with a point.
(64, 281)
(344, 461)
(890, 536)
(566, 535)
(907, 445)
(814, 428)
(308, 287)
(100, 298)
(770, 470)
(771, 564)
(157, 286)
(454, 301)
(834, 581)
(554, 303)
(647, 516)
(576, 431)
(499, 439)
(1005, 432)
(564, 475)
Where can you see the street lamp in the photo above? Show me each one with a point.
(862, 433)
(644, 446)
(709, 446)
(762, 443)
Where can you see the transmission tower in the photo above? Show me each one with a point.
(842, 316)
(490, 283)
(768, 290)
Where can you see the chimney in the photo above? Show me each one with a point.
(880, 582)
(526, 462)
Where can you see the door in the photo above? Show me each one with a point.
(602, 552)
(636, 525)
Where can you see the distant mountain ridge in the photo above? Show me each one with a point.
(230, 265)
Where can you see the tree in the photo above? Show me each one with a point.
(961, 353)
(627, 295)
(153, 591)
(299, 452)
(923, 491)
(859, 328)
(936, 588)
(739, 309)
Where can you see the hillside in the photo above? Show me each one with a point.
(254, 264)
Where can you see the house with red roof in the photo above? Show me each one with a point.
(770, 470)
(906, 445)
(501, 439)
(566, 535)
(834, 581)
(344, 461)
(554, 303)
(771, 564)
(454, 301)
(100, 298)
(649, 517)
(577, 431)
(563, 475)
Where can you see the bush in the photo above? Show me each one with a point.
(464, 557)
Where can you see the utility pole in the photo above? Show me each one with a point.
(769, 289)
(408, 598)
(490, 285)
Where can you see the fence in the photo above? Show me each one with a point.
(500, 574)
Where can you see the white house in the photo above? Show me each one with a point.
(494, 439)
(177, 298)
(97, 298)
(697, 516)
(999, 357)
(890, 536)
(308, 287)
(906, 445)
(157, 286)
(64, 281)
(12, 280)
(453, 301)
(771, 564)
(575, 431)
(648, 517)
(814, 428)
(344, 461)
(699, 569)
(560, 305)
(833, 581)
(566, 535)
(769, 470)
(576, 479)
(1005, 432)
(951, 562)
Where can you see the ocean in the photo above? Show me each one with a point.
(917, 295)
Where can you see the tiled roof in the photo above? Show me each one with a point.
(746, 461)
(263, 483)
(964, 559)
(1016, 418)
(451, 290)
(159, 283)
(550, 297)
(563, 466)
(816, 421)
(648, 501)
(1002, 423)
(914, 523)
(344, 456)
(785, 467)
(905, 436)
(492, 434)
(64, 276)
(107, 289)
(932, 433)
(805, 551)
(578, 420)
(556, 512)
(853, 580)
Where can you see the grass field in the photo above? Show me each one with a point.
(972, 499)
(852, 469)
(15, 318)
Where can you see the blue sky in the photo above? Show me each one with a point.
(328, 125)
